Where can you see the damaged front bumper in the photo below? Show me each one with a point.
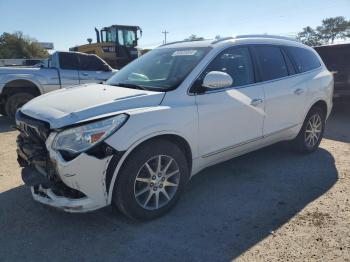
(85, 174)
(74, 185)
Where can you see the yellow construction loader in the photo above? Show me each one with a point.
(115, 44)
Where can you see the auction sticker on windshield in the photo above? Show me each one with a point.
(184, 52)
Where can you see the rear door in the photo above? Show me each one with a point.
(69, 66)
(93, 69)
(285, 94)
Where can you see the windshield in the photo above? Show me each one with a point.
(160, 69)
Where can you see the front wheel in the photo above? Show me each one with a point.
(311, 133)
(151, 180)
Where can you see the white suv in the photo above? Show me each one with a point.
(137, 140)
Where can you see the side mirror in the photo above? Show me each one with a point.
(217, 79)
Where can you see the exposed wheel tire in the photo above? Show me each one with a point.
(311, 133)
(16, 101)
(151, 180)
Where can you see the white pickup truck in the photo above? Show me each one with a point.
(18, 85)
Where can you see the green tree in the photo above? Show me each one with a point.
(194, 38)
(333, 28)
(309, 37)
(17, 45)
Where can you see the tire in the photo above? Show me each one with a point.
(310, 135)
(16, 101)
(136, 189)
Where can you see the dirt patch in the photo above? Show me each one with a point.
(316, 218)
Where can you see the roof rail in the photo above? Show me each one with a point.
(182, 41)
(222, 39)
(267, 36)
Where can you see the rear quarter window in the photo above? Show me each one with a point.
(304, 59)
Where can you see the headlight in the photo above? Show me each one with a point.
(81, 138)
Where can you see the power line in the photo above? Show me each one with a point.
(165, 32)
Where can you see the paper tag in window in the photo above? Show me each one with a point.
(184, 52)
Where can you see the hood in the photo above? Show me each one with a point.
(82, 103)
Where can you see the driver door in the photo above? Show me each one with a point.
(233, 116)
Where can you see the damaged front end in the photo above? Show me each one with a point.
(77, 184)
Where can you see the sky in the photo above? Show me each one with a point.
(70, 23)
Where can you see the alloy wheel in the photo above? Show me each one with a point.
(157, 182)
(313, 130)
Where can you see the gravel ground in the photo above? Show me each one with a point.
(265, 206)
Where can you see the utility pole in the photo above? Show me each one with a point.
(165, 32)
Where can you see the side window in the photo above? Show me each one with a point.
(90, 63)
(272, 64)
(69, 61)
(304, 59)
(237, 63)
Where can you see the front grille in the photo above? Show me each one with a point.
(31, 147)
(37, 129)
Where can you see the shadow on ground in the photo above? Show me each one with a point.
(226, 209)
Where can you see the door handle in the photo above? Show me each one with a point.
(299, 91)
(256, 101)
(85, 74)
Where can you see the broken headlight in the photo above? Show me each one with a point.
(78, 139)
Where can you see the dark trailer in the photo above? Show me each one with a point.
(337, 59)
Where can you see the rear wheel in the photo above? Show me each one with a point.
(311, 133)
(151, 180)
(16, 101)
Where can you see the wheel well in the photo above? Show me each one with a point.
(322, 105)
(177, 140)
(17, 86)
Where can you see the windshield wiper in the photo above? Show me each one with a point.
(128, 85)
